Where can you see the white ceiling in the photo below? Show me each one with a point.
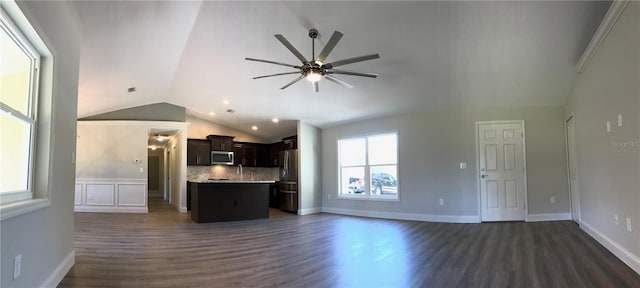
(434, 55)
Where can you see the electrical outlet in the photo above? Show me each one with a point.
(463, 165)
(441, 202)
(141, 170)
(17, 266)
(329, 196)
(629, 224)
(616, 220)
(553, 199)
(608, 126)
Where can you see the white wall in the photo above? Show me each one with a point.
(178, 160)
(609, 163)
(200, 129)
(44, 237)
(108, 175)
(310, 167)
(431, 146)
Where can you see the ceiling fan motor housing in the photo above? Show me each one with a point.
(313, 33)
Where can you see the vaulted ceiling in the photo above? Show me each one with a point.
(434, 55)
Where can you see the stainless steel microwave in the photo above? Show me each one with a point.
(221, 158)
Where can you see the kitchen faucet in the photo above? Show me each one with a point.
(239, 171)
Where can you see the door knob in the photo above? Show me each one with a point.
(484, 176)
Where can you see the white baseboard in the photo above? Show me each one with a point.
(58, 274)
(111, 209)
(405, 216)
(182, 209)
(549, 217)
(308, 211)
(623, 254)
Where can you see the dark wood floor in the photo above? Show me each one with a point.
(166, 249)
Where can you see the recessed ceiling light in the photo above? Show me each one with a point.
(275, 120)
(225, 102)
(212, 114)
(254, 127)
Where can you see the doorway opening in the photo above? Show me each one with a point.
(574, 194)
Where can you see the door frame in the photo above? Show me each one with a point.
(572, 189)
(524, 163)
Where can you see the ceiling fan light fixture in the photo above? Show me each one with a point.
(315, 68)
(160, 138)
(313, 76)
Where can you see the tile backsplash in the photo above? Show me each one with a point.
(230, 172)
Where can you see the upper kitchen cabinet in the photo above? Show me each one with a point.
(244, 154)
(221, 143)
(290, 142)
(198, 152)
(251, 154)
(274, 154)
(262, 155)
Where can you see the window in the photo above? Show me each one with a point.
(18, 102)
(368, 166)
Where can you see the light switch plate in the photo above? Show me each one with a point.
(608, 126)
(619, 120)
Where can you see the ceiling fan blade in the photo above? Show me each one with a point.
(277, 74)
(329, 46)
(370, 75)
(350, 60)
(315, 86)
(338, 80)
(272, 62)
(293, 50)
(292, 82)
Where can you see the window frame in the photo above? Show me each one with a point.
(367, 170)
(41, 90)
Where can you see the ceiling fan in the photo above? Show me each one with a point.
(316, 69)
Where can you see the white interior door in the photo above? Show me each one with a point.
(502, 170)
(573, 176)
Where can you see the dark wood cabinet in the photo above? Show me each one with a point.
(290, 142)
(215, 202)
(251, 154)
(262, 155)
(244, 154)
(274, 154)
(198, 152)
(221, 143)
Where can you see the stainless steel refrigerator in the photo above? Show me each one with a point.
(288, 184)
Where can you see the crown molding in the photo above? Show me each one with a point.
(603, 30)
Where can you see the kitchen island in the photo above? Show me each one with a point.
(229, 200)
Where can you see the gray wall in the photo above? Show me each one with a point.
(431, 146)
(310, 167)
(609, 163)
(45, 237)
(152, 112)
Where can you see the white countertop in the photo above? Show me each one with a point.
(235, 181)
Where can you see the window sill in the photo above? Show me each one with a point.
(368, 198)
(15, 209)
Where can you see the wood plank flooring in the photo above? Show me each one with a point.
(166, 249)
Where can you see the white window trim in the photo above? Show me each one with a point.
(15, 20)
(367, 172)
